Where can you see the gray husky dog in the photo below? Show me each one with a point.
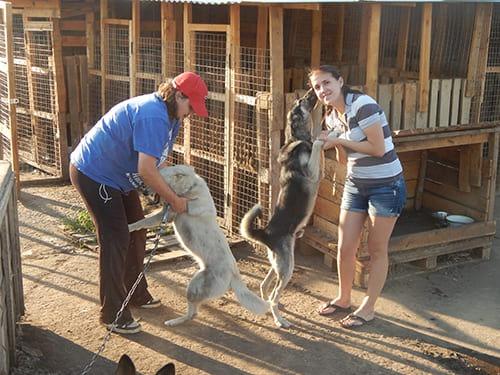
(200, 235)
(300, 174)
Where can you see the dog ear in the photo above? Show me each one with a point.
(168, 369)
(125, 366)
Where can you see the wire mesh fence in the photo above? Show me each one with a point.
(490, 107)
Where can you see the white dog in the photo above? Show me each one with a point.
(199, 233)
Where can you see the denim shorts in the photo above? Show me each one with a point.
(378, 200)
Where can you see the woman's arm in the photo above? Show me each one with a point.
(149, 172)
(374, 144)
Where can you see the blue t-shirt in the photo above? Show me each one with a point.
(109, 152)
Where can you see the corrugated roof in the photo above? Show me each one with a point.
(221, 2)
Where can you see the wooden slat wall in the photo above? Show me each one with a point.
(11, 290)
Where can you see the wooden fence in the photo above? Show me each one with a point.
(11, 287)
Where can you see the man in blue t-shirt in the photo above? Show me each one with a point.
(119, 155)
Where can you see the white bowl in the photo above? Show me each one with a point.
(458, 220)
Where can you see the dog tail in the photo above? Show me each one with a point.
(248, 299)
(247, 228)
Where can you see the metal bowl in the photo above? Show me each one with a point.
(458, 220)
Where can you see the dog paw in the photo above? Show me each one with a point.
(283, 323)
(174, 322)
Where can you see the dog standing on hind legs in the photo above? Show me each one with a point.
(300, 174)
(200, 235)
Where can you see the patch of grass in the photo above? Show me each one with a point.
(81, 223)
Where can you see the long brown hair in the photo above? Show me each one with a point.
(167, 91)
(345, 89)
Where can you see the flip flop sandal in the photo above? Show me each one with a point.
(337, 309)
(352, 321)
(151, 304)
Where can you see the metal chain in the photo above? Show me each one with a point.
(129, 296)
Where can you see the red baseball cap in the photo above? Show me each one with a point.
(192, 86)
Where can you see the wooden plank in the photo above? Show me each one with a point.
(404, 29)
(60, 100)
(455, 101)
(76, 130)
(89, 35)
(327, 209)
(188, 66)
(338, 33)
(84, 93)
(425, 57)
(363, 36)
(373, 50)
(464, 170)
(277, 121)
(433, 103)
(326, 226)
(134, 36)
(444, 103)
(331, 191)
(474, 51)
(483, 60)
(207, 27)
(442, 204)
(396, 105)
(476, 199)
(232, 66)
(440, 142)
(493, 144)
(384, 99)
(73, 25)
(262, 31)
(476, 162)
(421, 179)
(104, 52)
(168, 34)
(441, 236)
(411, 169)
(74, 41)
(316, 39)
(409, 105)
(11, 92)
(465, 105)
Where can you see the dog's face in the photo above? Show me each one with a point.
(126, 367)
(299, 124)
(182, 179)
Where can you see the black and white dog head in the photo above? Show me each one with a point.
(298, 119)
(126, 367)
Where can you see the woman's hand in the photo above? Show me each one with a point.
(179, 205)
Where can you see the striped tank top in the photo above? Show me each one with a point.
(362, 112)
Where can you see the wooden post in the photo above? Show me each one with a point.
(373, 50)
(104, 53)
(421, 180)
(316, 39)
(425, 58)
(89, 35)
(483, 61)
(493, 158)
(404, 30)
(11, 92)
(84, 93)
(233, 65)
(168, 37)
(474, 50)
(363, 35)
(134, 46)
(338, 33)
(187, 18)
(60, 91)
(277, 122)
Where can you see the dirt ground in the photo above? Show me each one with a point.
(446, 322)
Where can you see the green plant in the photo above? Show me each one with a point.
(81, 223)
